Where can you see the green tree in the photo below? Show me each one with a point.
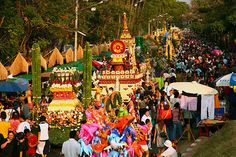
(211, 22)
(50, 23)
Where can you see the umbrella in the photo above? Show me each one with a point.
(16, 85)
(216, 52)
(227, 80)
(193, 88)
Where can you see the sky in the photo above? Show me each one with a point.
(188, 1)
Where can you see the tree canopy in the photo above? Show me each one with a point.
(215, 20)
(50, 23)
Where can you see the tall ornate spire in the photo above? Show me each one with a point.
(164, 29)
(125, 22)
(125, 34)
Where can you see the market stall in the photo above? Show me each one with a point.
(201, 100)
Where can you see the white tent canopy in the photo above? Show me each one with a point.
(193, 87)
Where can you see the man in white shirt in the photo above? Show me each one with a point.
(23, 125)
(170, 151)
(71, 148)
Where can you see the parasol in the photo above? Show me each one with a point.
(227, 80)
(193, 87)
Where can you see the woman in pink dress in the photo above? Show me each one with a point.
(14, 121)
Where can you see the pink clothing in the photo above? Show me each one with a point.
(88, 114)
(87, 132)
(192, 103)
(14, 124)
(143, 127)
(189, 103)
(130, 149)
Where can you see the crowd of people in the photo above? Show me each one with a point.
(18, 140)
(153, 115)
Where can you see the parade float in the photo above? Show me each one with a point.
(122, 75)
(62, 88)
(167, 40)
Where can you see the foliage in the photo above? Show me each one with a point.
(210, 21)
(51, 23)
(59, 135)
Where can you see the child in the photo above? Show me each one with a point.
(143, 138)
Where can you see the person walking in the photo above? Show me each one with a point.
(43, 146)
(14, 121)
(160, 135)
(25, 108)
(177, 116)
(32, 143)
(21, 145)
(170, 151)
(71, 148)
(4, 126)
(24, 124)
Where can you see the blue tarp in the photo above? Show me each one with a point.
(14, 85)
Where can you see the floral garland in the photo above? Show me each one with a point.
(69, 70)
(71, 118)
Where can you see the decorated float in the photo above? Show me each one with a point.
(105, 129)
(123, 74)
(62, 88)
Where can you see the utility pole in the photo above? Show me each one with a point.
(76, 29)
(149, 27)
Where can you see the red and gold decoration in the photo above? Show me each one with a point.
(123, 75)
(117, 47)
(118, 54)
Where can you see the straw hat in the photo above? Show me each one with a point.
(168, 143)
